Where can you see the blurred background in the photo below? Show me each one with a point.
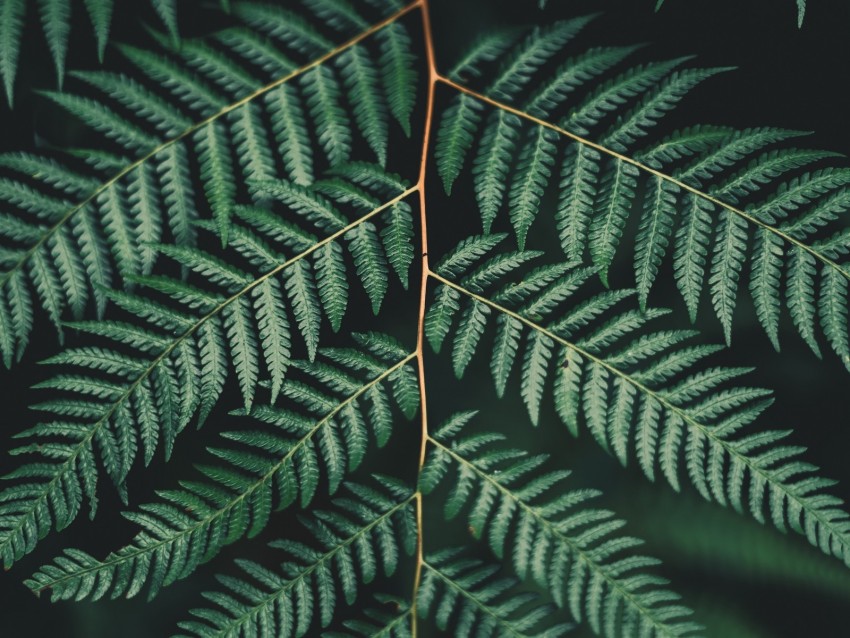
(743, 579)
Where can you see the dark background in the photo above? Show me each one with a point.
(744, 580)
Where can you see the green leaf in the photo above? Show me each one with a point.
(56, 23)
(11, 30)
(100, 14)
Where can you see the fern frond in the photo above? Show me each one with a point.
(11, 30)
(381, 623)
(465, 590)
(225, 223)
(323, 429)
(55, 17)
(462, 118)
(238, 320)
(361, 538)
(638, 393)
(56, 23)
(531, 54)
(551, 534)
(213, 129)
(701, 194)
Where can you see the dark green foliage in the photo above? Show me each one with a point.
(70, 233)
(240, 316)
(717, 202)
(55, 17)
(549, 533)
(217, 255)
(464, 595)
(638, 392)
(367, 533)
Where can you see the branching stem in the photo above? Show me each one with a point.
(433, 76)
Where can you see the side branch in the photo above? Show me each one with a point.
(70, 462)
(197, 126)
(728, 446)
(647, 169)
(150, 549)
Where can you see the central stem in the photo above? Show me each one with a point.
(433, 77)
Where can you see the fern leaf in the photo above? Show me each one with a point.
(183, 120)
(726, 264)
(188, 345)
(548, 533)
(438, 320)
(606, 228)
(504, 350)
(370, 261)
(801, 295)
(534, 167)
(487, 48)
(290, 129)
(538, 47)
(11, 30)
(492, 163)
(208, 260)
(251, 145)
(628, 392)
(653, 236)
(690, 255)
(470, 329)
(571, 75)
(56, 22)
(537, 354)
(243, 346)
(764, 284)
(654, 106)
(105, 120)
(832, 306)
(331, 283)
(575, 203)
(334, 130)
(281, 600)
(722, 170)
(260, 470)
(465, 590)
(397, 73)
(100, 14)
(217, 175)
(457, 133)
(167, 12)
(397, 239)
(361, 78)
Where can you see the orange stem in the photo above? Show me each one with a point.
(433, 77)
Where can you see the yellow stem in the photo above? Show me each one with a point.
(433, 75)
